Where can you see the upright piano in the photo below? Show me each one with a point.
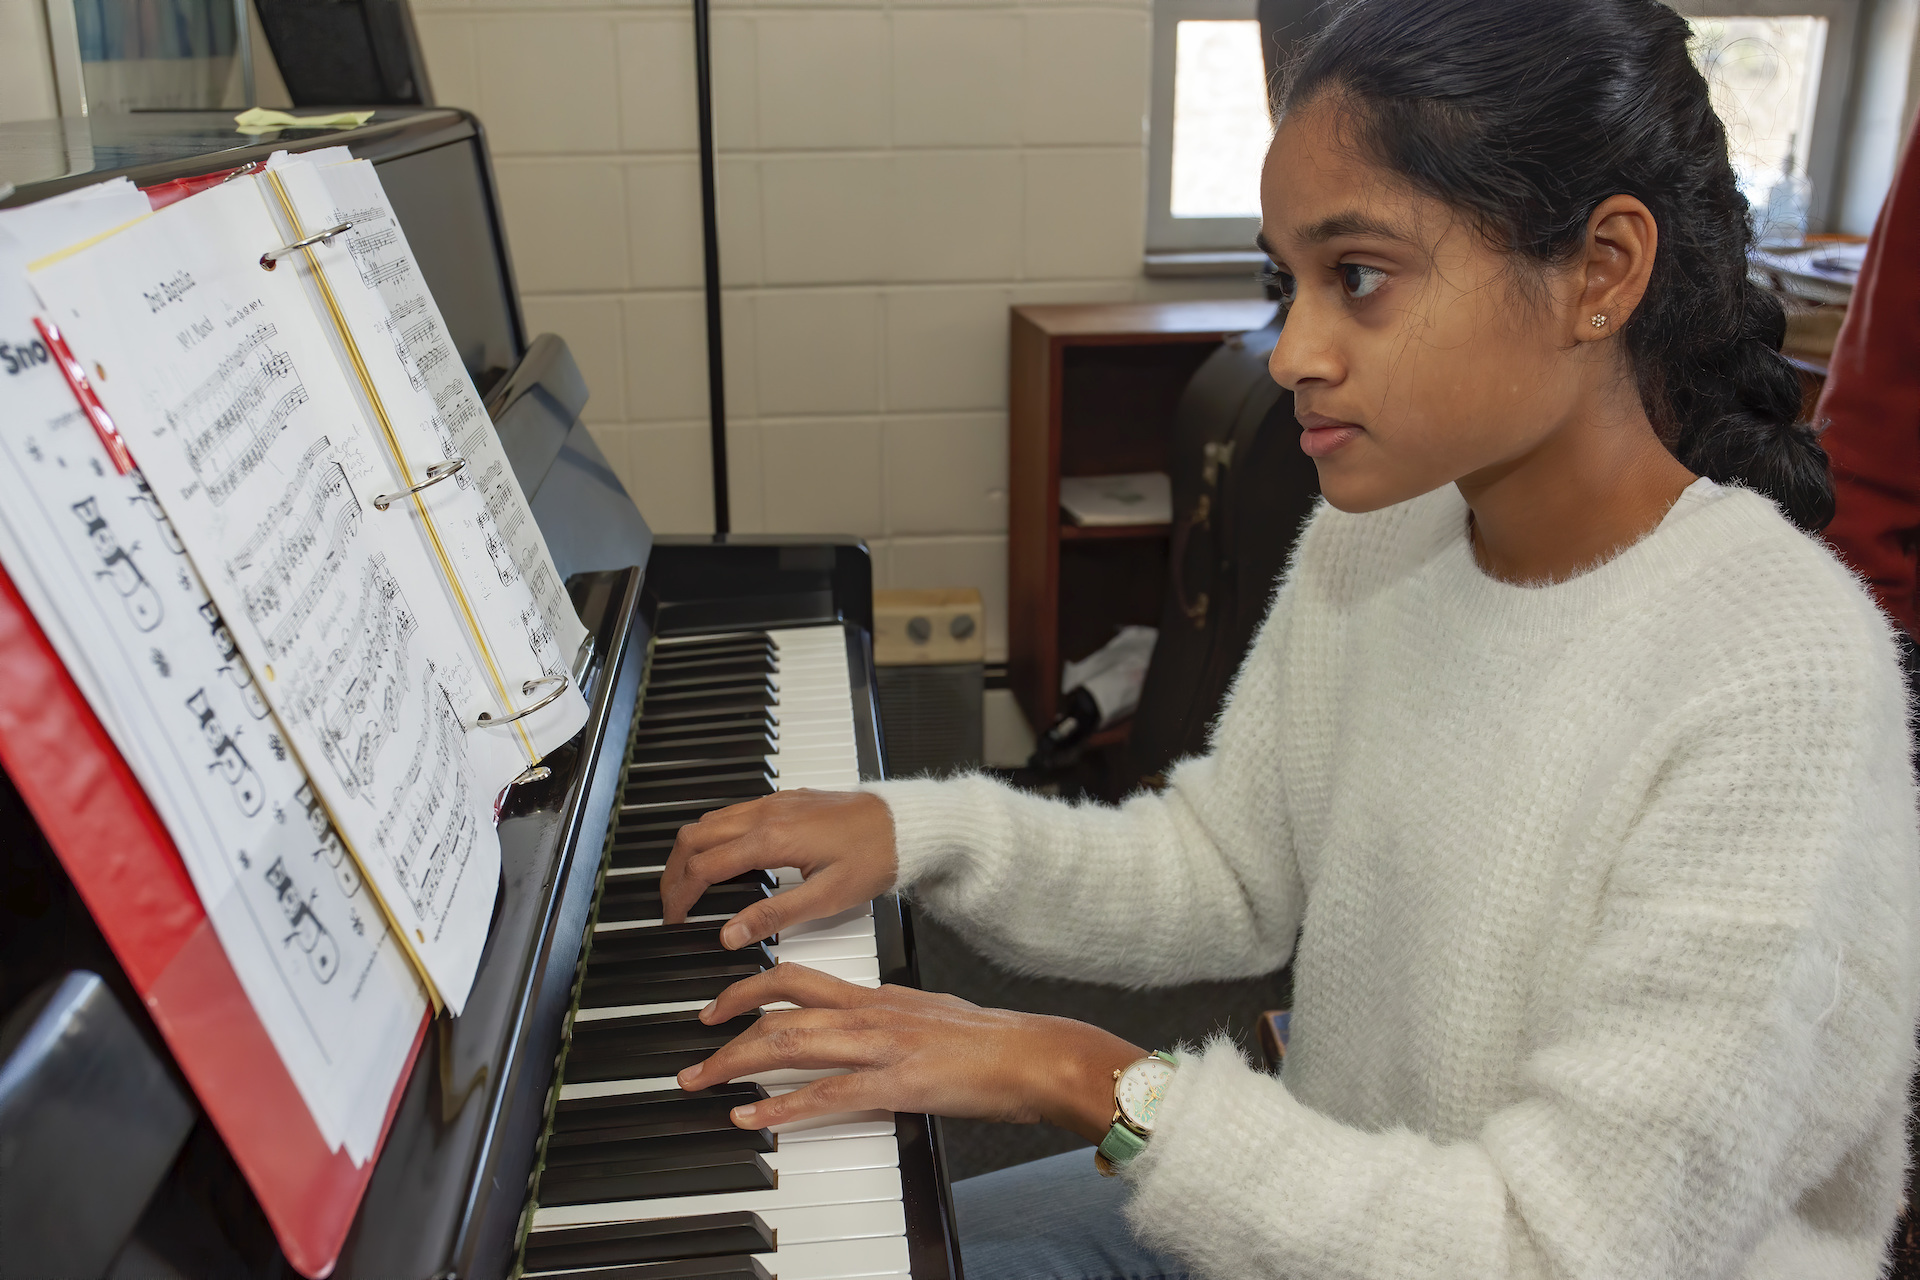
(540, 1133)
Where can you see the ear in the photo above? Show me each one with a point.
(1621, 240)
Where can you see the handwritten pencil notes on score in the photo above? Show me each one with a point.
(290, 439)
(111, 585)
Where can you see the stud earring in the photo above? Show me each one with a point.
(1598, 322)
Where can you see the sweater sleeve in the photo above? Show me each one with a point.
(1196, 882)
(1737, 1032)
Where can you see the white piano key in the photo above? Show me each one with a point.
(812, 952)
(851, 923)
(837, 1222)
(794, 1159)
(849, 1124)
(840, 1259)
(865, 971)
(607, 1088)
(836, 1128)
(802, 1191)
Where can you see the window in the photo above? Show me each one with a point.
(1209, 131)
(1825, 81)
(1779, 72)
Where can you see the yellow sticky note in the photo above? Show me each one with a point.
(261, 120)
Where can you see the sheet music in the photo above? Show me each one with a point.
(110, 583)
(385, 261)
(224, 384)
(370, 275)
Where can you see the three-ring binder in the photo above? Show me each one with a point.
(435, 474)
(488, 720)
(271, 258)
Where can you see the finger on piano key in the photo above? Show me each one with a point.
(661, 1240)
(805, 1190)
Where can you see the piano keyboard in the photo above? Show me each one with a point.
(641, 1180)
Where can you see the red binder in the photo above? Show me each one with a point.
(121, 859)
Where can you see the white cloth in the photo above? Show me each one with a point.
(1606, 896)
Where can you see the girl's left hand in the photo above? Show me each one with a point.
(912, 1050)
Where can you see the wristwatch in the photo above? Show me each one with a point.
(1137, 1091)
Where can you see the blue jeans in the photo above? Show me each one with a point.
(1053, 1219)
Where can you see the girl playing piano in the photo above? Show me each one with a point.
(1569, 772)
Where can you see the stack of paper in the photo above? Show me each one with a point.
(1146, 498)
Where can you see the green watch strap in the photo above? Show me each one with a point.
(1121, 1145)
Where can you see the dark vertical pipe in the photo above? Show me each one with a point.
(710, 233)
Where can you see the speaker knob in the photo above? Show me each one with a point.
(919, 630)
(961, 627)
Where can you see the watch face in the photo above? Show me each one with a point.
(1139, 1090)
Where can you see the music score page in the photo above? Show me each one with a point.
(524, 626)
(110, 582)
(225, 385)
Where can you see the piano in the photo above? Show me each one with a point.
(540, 1133)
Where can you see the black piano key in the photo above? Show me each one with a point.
(573, 1114)
(745, 877)
(643, 983)
(745, 663)
(656, 825)
(741, 778)
(697, 1173)
(695, 807)
(689, 641)
(715, 747)
(640, 903)
(662, 1240)
(643, 769)
(670, 714)
(648, 882)
(652, 1033)
(648, 1046)
(681, 1135)
(761, 721)
(660, 942)
(744, 698)
(736, 1267)
(679, 690)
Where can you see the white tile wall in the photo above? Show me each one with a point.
(894, 174)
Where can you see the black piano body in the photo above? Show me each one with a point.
(450, 1185)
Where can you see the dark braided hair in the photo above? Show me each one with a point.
(1526, 114)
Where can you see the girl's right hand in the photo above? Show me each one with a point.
(841, 841)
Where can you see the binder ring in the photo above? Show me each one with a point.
(271, 258)
(487, 719)
(435, 474)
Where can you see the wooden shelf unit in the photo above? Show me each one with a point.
(1093, 393)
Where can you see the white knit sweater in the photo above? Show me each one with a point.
(1605, 891)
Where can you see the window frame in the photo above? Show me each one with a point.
(1231, 238)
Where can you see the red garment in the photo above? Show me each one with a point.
(1872, 401)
